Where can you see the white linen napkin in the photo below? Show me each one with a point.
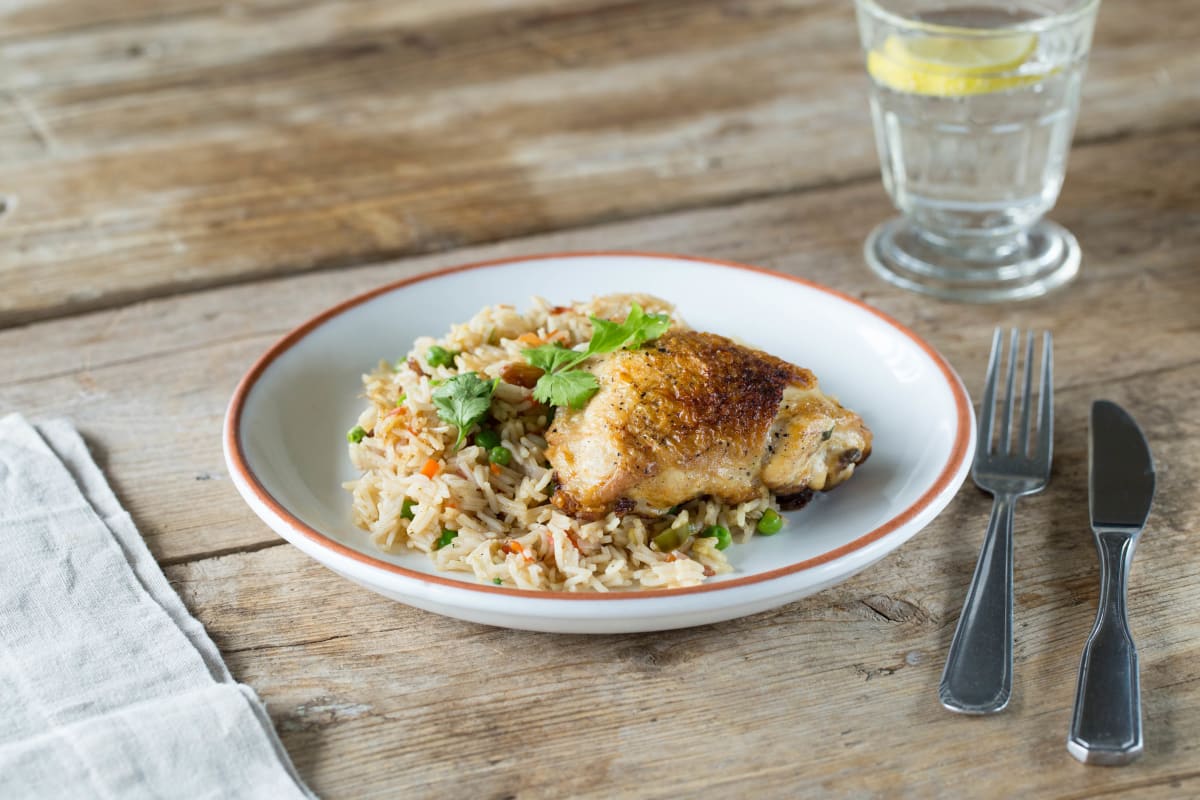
(108, 686)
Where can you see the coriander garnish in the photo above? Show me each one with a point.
(464, 400)
(562, 384)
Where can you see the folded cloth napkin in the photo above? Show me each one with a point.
(108, 686)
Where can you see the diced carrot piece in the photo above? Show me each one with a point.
(531, 339)
(431, 468)
(495, 468)
(518, 548)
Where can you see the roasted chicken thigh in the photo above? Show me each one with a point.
(692, 414)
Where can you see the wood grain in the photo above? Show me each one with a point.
(831, 696)
(163, 371)
(207, 144)
(168, 169)
(835, 694)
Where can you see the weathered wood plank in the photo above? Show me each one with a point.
(25, 19)
(204, 44)
(831, 696)
(201, 149)
(162, 371)
(154, 146)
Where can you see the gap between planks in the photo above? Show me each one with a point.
(253, 547)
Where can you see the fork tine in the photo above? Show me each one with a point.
(987, 409)
(1026, 397)
(1006, 415)
(1046, 408)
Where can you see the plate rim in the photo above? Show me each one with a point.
(245, 478)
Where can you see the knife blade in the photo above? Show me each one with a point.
(1120, 469)
(1106, 726)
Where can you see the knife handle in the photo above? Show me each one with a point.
(1106, 726)
(978, 674)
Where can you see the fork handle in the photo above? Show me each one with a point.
(1106, 726)
(978, 674)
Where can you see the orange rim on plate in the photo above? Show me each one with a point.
(233, 442)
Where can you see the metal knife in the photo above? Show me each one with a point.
(1106, 726)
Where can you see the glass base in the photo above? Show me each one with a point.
(1027, 265)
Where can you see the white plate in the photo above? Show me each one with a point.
(286, 425)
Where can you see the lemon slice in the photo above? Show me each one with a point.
(952, 66)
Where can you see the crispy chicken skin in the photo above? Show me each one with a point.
(694, 414)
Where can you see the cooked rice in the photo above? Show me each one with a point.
(509, 533)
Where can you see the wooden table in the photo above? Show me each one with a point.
(184, 181)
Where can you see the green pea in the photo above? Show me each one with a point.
(438, 356)
(498, 581)
(720, 533)
(446, 538)
(487, 439)
(406, 508)
(355, 434)
(500, 455)
(770, 523)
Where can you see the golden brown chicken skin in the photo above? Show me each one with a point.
(693, 414)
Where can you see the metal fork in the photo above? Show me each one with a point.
(978, 674)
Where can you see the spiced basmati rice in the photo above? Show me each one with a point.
(508, 531)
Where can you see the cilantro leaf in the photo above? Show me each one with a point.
(650, 327)
(464, 400)
(553, 357)
(637, 329)
(569, 388)
(562, 385)
(608, 336)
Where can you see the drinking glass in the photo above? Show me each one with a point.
(974, 106)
